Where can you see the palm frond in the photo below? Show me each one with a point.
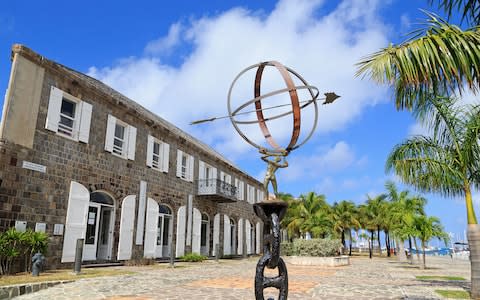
(427, 166)
(443, 61)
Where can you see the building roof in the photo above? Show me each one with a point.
(121, 99)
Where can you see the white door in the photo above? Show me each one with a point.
(91, 236)
(125, 239)
(105, 233)
(164, 239)
(76, 220)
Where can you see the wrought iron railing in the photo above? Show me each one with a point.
(216, 187)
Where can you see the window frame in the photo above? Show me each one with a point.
(124, 141)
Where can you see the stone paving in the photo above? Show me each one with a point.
(380, 278)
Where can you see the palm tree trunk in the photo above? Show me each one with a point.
(416, 247)
(379, 245)
(424, 265)
(401, 250)
(351, 241)
(387, 242)
(370, 244)
(473, 236)
(343, 241)
(410, 247)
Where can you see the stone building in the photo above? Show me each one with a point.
(79, 160)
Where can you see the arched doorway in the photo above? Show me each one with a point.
(99, 231)
(164, 231)
(204, 235)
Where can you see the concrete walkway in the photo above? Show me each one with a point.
(380, 278)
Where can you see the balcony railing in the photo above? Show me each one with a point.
(217, 190)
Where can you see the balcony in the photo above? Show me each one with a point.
(216, 190)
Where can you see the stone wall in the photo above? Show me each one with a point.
(34, 196)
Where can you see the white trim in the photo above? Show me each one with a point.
(142, 199)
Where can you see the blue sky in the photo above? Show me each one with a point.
(187, 53)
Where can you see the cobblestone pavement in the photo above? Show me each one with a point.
(380, 278)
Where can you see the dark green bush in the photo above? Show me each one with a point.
(193, 257)
(313, 247)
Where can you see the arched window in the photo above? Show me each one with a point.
(101, 197)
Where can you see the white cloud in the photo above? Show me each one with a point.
(164, 45)
(322, 46)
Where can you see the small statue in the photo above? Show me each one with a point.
(272, 167)
(37, 263)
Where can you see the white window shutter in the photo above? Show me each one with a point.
(85, 119)
(179, 163)
(190, 167)
(222, 175)
(54, 106)
(150, 150)
(181, 220)
(242, 190)
(111, 121)
(248, 236)
(76, 221)
(227, 235)
(196, 230)
(216, 233)
(258, 234)
(240, 237)
(132, 142)
(214, 173)
(201, 170)
(229, 179)
(165, 157)
(125, 240)
(151, 226)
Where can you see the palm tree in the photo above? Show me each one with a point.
(441, 59)
(309, 213)
(402, 212)
(428, 228)
(377, 207)
(448, 162)
(367, 221)
(344, 218)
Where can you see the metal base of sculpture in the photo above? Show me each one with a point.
(271, 212)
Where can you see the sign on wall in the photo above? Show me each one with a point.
(34, 167)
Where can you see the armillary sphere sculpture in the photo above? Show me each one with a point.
(272, 211)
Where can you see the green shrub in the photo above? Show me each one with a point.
(193, 257)
(313, 247)
(15, 245)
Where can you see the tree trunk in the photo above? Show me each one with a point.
(343, 241)
(351, 241)
(410, 248)
(401, 250)
(387, 242)
(473, 236)
(370, 244)
(416, 247)
(379, 245)
(424, 265)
